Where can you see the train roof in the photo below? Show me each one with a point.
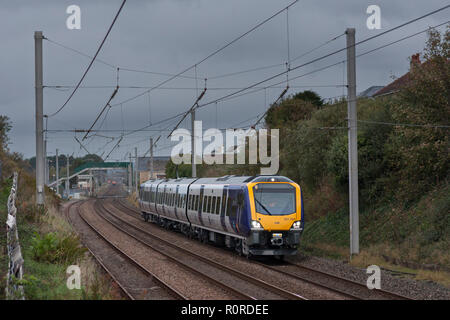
(230, 179)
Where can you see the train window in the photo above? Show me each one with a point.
(204, 204)
(197, 198)
(224, 201)
(218, 205)
(213, 204)
(208, 207)
(229, 202)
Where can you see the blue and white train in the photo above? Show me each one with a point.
(260, 215)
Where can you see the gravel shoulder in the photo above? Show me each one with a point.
(415, 289)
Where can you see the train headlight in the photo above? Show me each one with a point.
(256, 225)
(296, 225)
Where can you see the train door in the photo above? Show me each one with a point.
(224, 208)
(232, 208)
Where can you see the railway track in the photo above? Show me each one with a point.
(247, 286)
(328, 281)
(129, 292)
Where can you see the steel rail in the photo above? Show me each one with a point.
(98, 259)
(316, 283)
(172, 291)
(178, 261)
(272, 288)
(348, 281)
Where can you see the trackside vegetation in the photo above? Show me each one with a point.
(47, 241)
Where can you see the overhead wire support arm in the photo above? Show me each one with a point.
(101, 112)
(115, 146)
(81, 145)
(276, 101)
(153, 145)
(189, 111)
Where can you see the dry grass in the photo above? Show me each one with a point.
(96, 283)
(375, 255)
(133, 199)
(54, 221)
(441, 277)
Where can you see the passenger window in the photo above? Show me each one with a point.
(218, 205)
(196, 202)
(204, 203)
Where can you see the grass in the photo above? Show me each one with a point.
(5, 187)
(46, 264)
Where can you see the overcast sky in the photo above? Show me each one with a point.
(168, 36)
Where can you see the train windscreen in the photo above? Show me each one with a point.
(274, 198)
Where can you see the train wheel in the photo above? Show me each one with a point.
(146, 217)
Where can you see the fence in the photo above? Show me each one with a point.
(15, 267)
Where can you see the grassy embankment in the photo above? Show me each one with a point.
(49, 246)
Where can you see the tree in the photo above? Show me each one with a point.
(5, 127)
(309, 96)
(419, 155)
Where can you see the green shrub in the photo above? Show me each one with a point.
(53, 249)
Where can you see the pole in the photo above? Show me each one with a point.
(57, 171)
(352, 142)
(194, 168)
(151, 158)
(67, 179)
(130, 176)
(90, 183)
(39, 117)
(136, 172)
(45, 162)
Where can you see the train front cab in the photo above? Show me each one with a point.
(276, 207)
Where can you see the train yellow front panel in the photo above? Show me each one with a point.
(275, 222)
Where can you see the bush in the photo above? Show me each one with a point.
(53, 249)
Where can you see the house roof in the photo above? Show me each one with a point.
(369, 92)
(397, 84)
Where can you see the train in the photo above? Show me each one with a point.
(254, 215)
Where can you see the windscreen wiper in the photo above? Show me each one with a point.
(262, 206)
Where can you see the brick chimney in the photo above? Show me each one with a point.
(415, 60)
